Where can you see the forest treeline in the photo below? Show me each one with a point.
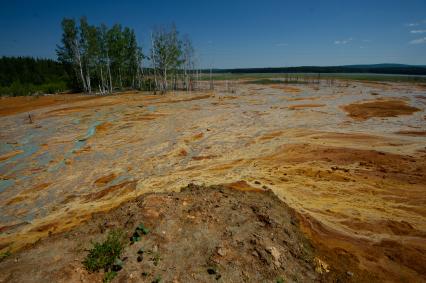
(27, 75)
(101, 59)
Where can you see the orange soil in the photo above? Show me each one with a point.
(394, 201)
(14, 105)
(174, 100)
(202, 157)
(301, 106)
(272, 135)
(378, 108)
(103, 127)
(28, 193)
(285, 88)
(412, 133)
(105, 179)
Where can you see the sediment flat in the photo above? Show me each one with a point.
(349, 158)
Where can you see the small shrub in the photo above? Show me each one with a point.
(105, 255)
(140, 230)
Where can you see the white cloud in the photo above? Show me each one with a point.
(414, 24)
(344, 41)
(418, 41)
(418, 31)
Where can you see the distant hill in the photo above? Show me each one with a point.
(398, 69)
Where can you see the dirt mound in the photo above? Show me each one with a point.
(198, 235)
(379, 108)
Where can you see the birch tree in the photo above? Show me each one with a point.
(69, 52)
(110, 59)
(188, 61)
(166, 54)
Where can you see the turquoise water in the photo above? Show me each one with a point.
(78, 145)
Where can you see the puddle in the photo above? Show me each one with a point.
(78, 145)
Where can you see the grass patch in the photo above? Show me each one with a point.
(106, 255)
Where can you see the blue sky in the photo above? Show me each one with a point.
(230, 34)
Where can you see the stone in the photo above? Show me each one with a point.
(275, 254)
(221, 252)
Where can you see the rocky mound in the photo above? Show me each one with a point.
(201, 234)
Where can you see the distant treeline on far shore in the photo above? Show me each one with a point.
(397, 69)
(28, 75)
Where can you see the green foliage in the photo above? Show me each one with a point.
(19, 89)
(109, 276)
(101, 57)
(139, 231)
(27, 76)
(166, 54)
(135, 238)
(142, 229)
(105, 255)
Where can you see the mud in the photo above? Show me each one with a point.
(357, 183)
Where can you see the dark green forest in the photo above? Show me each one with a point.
(27, 76)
